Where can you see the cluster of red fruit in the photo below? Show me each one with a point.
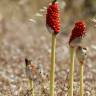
(53, 17)
(78, 31)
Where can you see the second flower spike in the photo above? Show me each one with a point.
(78, 33)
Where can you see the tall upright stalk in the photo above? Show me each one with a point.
(31, 86)
(81, 80)
(78, 32)
(52, 76)
(71, 76)
(81, 53)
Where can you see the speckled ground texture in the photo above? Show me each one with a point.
(23, 38)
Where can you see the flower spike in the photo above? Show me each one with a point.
(53, 17)
(78, 33)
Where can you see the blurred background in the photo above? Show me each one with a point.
(23, 33)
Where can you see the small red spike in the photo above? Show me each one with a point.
(78, 31)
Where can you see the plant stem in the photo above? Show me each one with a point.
(71, 77)
(52, 71)
(31, 87)
(81, 80)
(53, 1)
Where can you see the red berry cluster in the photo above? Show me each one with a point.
(52, 17)
(78, 31)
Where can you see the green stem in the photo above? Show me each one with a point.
(71, 77)
(31, 87)
(81, 80)
(52, 65)
(53, 1)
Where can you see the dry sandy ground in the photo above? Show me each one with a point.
(20, 38)
(32, 40)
